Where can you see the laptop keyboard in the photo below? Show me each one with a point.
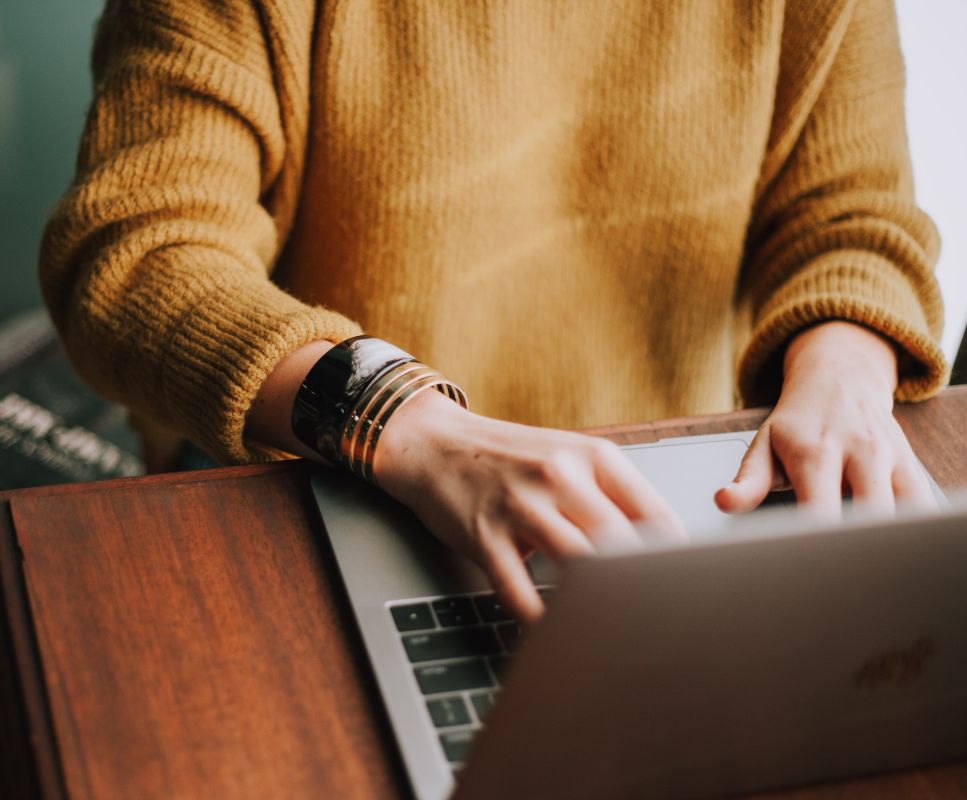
(457, 647)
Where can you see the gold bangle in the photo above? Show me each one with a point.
(364, 426)
(392, 404)
(354, 458)
(360, 420)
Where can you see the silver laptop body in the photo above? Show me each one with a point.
(731, 667)
(389, 562)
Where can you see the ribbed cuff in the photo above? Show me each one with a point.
(225, 348)
(859, 287)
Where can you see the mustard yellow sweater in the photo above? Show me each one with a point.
(583, 212)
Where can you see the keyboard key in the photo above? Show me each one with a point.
(413, 617)
(447, 711)
(453, 677)
(491, 609)
(457, 643)
(510, 635)
(454, 611)
(482, 703)
(456, 745)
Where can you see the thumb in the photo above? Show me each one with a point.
(754, 479)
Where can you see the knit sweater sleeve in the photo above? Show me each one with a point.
(836, 233)
(155, 263)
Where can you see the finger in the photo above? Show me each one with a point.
(511, 581)
(524, 548)
(870, 484)
(817, 480)
(553, 534)
(604, 524)
(911, 487)
(754, 480)
(634, 496)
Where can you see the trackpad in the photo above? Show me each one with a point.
(688, 474)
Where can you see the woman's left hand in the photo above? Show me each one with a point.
(832, 430)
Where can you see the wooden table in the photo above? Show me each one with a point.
(185, 635)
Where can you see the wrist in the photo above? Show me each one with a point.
(842, 350)
(348, 397)
(268, 420)
(418, 430)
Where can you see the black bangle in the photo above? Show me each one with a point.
(334, 386)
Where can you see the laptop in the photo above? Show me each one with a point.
(768, 652)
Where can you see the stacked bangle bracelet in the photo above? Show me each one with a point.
(350, 394)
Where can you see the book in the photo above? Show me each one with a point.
(53, 427)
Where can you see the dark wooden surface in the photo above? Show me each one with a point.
(186, 636)
(193, 644)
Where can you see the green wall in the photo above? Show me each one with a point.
(45, 87)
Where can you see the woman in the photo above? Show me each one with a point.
(580, 213)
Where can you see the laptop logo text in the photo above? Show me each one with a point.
(896, 666)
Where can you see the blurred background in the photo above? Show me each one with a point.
(45, 88)
(53, 429)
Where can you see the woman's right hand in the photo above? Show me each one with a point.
(496, 491)
(493, 490)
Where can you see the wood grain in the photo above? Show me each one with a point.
(31, 759)
(192, 643)
(19, 769)
(192, 639)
